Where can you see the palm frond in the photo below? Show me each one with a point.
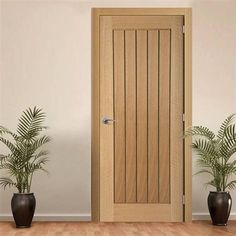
(204, 148)
(9, 144)
(228, 142)
(41, 153)
(231, 185)
(3, 158)
(40, 142)
(227, 122)
(41, 161)
(31, 123)
(227, 151)
(212, 183)
(4, 130)
(204, 171)
(200, 131)
(38, 166)
(6, 182)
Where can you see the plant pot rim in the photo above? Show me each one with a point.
(23, 193)
(219, 191)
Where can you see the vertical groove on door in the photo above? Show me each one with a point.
(130, 76)
(142, 116)
(153, 116)
(164, 117)
(119, 112)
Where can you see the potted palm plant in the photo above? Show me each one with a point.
(24, 158)
(215, 152)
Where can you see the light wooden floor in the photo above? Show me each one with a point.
(197, 228)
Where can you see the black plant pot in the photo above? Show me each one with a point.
(23, 206)
(219, 205)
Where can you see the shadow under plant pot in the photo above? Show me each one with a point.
(219, 205)
(23, 207)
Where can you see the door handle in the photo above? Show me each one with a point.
(106, 120)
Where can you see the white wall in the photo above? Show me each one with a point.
(45, 61)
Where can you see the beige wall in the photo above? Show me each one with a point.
(45, 61)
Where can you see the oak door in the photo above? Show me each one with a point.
(141, 112)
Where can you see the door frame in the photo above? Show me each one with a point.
(95, 119)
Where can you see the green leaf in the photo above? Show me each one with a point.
(224, 125)
(204, 171)
(9, 144)
(200, 131)
(3, 158)
(205, 149)
(31, 123)
(231, 185)
(40, 142)
(4, 130)
(4, 182)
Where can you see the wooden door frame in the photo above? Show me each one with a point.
(95, 135)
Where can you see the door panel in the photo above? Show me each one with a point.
(164, 117)
(131, 119)
(119, 113)
(153, 116)
(141, 88)
(141, 116)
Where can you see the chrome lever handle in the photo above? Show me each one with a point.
(106, 120)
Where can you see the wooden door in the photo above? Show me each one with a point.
(141, 89)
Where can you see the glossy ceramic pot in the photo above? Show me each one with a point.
(219, 205)
(23, 207)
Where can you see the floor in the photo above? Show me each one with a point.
(197, 228)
